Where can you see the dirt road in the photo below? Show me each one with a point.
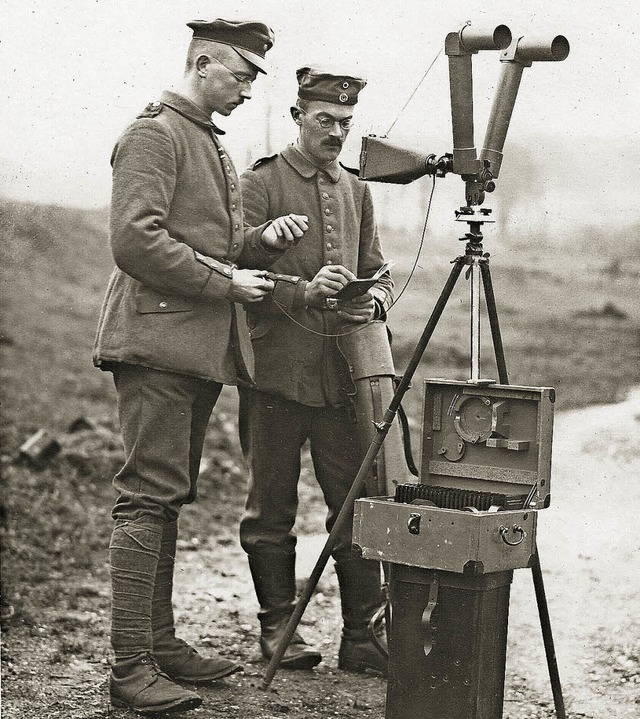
(590, 554)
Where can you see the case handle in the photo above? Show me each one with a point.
(517, 530)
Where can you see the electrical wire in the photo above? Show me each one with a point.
(421, 246)
(404, 107)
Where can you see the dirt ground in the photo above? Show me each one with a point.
(55, 662)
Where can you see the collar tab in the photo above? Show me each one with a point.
(190, 110)
(306, 168)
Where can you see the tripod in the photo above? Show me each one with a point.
(479, 274)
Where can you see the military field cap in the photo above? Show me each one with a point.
(250, 39)
(319, 84)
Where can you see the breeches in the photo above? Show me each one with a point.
(273, 431)
(163, 419)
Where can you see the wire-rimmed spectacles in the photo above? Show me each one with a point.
(242, 79)
(326, 122)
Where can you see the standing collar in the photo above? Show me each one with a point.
(189, 109)
(305, 167)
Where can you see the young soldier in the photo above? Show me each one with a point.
(172, 334)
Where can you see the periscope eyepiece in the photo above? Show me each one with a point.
(383, 161)
(538, 49)
(470, 40)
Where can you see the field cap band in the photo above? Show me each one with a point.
(250, 39)
(319, 84)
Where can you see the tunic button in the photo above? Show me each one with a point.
(237, 226)
(163, 305)
(233, 187)
(329, 228)
(325, 196)
(329, 246)
(234, 207)
(327, 211)
(235, 245)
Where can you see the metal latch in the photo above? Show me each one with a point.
(413, 523)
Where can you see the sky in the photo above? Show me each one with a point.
(75, 72)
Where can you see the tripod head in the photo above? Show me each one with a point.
(382, 161)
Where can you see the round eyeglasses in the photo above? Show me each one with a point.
(326, 122)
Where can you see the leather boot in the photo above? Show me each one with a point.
(364, 642)
(174, 656)
(138, 683)
(182, 662)
(275, 584)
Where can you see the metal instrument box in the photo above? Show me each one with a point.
(475, 438)
(448, 644)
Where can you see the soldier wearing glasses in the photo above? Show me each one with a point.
(172, 332)
(302, 379)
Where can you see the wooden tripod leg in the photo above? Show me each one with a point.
(547, 637)
(538, 582)
(494, 323)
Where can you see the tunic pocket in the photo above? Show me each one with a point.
(149, 301)
(258, 326)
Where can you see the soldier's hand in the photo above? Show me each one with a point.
(360, 309)
(285, 231)
(329, 280)
(249, 286)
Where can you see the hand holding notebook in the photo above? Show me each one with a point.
(358, 287)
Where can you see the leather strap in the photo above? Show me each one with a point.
(379, 467)
(406, 437)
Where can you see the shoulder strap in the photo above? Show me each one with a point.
(263, 161)
(153, 109)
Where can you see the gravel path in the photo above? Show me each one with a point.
(590, 555)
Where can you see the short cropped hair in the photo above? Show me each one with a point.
(302, 104)
(198, 47)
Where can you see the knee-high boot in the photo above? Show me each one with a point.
(136, 681)
(363, 646)
(275, 584)
(174, 656)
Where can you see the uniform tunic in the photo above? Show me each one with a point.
(176, 228)
(292, 357)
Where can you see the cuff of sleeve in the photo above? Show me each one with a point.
(219, 282)
(379, 313)
(254, 237)
(383, 303)
(289, 291)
